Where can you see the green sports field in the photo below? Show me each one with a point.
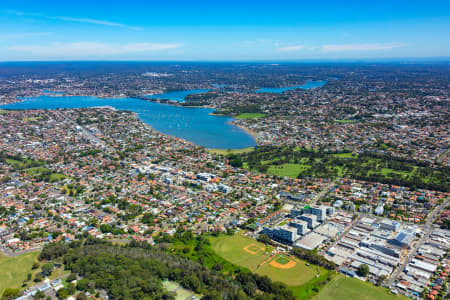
(344, 288)
(298, 275)
(282, 260)
(14, 270)
(232, 247)
(250, 116)
(288, 170)
(301, 279)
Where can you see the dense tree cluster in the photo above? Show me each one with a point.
(10, 294)
(106, 228)
(445, 224)
(264, 238)
(314, 258)
(239, 109)
(363, 270)
(90, 152)
(52, 251)
(31, 166)
(252, 283)
(235, 161)
(19, 162)
(136, 271)
(200, 99)
(366, 166)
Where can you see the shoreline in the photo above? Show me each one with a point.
(17, 100)
(245, 129)
(179, 104)
(216, 115)
(162, 133)
(197, 106)
(248, 130)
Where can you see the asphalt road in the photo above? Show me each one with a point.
(323, 192)
(13, 254)
(87, 133)
(339, 237)
(427, 230)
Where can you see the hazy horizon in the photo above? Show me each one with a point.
(234, 31)
(439, 59)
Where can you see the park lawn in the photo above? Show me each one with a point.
(53, 175)
(312, 287)
(282, 260)
(20, 164)
(345, 121)
(296, 276)
(36, 170)
(15, 163)
(387, 172)
(250, 116)
(57, 177)
(231, 249)
(14, 270)
(288, 170)
(31, 119)
(384, 146)
(294, 169)
(230, 151)
(343, 288)
(345, 155)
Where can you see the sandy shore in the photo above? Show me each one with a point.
(216, 115)
(249, 131)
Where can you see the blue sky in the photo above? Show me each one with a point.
(225, 30)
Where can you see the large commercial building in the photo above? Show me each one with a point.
(302, 226)
(310, 241)
(295, 212)
(402, 239)
(311, 220)
(321, 211)
(284, 234)
(391, 225)
(303, 221)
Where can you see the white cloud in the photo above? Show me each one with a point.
(359, 47)
(72, 19)
(96, 22)
(291, 48)
(89, 49)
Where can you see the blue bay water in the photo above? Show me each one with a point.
(308, 85)
(190, 123)
(194, 124)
